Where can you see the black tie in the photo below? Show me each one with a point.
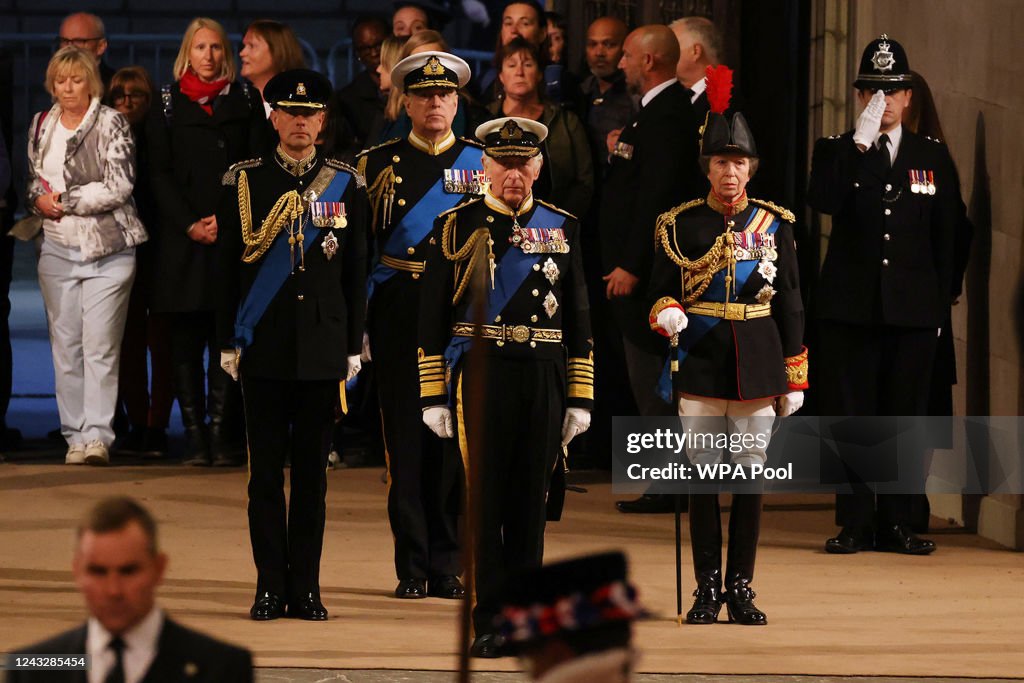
(116, 674)
(883, 147)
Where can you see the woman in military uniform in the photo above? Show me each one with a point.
(729, 262)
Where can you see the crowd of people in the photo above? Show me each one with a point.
(517, 247)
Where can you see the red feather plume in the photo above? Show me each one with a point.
(719, 89)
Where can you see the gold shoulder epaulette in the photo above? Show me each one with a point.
(230, 176)
(692, 204)
(784, 214)
(460, 206)
(661, 226)
(383, 144)
(555, 208)
(472, 143)
(340, 165)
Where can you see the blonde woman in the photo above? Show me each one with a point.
(199, 125)
(81, 158)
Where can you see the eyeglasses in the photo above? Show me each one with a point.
(136, 97)
(81, 43)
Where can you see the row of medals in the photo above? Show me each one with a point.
(921, 182)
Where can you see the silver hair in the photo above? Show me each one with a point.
(704, 33)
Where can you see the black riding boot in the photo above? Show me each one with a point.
(744, 529)
(706, 542)
(223, 448)
(188, 386)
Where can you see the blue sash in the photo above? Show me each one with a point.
(419, 221)
(509, 275)
(276, 267)
(700, 325)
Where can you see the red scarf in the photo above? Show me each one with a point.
(199, 91)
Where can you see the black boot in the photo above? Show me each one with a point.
(744, 530)
(223, 451)
(706, 542)
(188, 386)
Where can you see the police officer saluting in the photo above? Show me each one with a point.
(885, 284)
(294, 253)
(411, 181)
(537, 346)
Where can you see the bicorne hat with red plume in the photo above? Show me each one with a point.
(720, 135)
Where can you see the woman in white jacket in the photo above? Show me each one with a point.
(81, 176)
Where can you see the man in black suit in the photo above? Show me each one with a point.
(291, 324)
(884, 290)
(700, 45)
(118, 566)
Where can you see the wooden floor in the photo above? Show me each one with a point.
(958, 613)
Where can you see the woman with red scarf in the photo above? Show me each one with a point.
(198, 127)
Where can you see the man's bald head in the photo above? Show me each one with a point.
(649, 57)
(605, 37)
(84, 30)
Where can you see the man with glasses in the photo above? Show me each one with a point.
(86, 31)
(361, 101)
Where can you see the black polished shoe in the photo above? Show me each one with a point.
(197, 459)
(155, 442)
(707, 603)
(900, 539)
(849, 541)
(267, 606)
(411, 589)
(650, 504)
(307, 607)
(448, 587)
(739, 602)
(228, 459)
(485, 647)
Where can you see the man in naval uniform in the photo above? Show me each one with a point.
(411, 181)
(537, 347)
(291, 325)
(885, 284)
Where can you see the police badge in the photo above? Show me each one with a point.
(883, 59)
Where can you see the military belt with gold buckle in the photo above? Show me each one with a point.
(399, 264)
(520, 334)
(729, 311)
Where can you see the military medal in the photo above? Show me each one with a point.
(330, 245)
(623, 150)
(551, 271)
(449, 183)
(931, 183)
(914, 186)
(328, 214)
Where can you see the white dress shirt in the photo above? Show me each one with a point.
(140, 645)
(655, 91)
(697, 88)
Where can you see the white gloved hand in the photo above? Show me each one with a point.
(366, 356)
(354, 366)
(229, 361)
(577, 421)
(673, 321)
(870, 121)
(439, 419)
(787, 404)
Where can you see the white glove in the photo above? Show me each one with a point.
(229, 361)
(673, 321)
(354, 366)
(366, 356)
(787, 404)
(870, 121)
(439, 419)
(577, 421)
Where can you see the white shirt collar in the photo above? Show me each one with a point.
(139, 651)
(697, 88)
(655, 91)
(895, 137)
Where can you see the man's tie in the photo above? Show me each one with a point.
(116, 674)
(883, 147)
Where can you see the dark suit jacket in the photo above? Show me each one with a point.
(661, 173)
(183, 655)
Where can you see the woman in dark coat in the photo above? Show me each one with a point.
(202, 124)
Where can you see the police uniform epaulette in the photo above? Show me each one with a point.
(230, 176)
(935, 140)
(472, 142)
(383, 144)
(784, 214)
(460, 206)
(340, 165)
(555, 208)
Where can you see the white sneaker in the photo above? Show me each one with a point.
(96, 453)
(75, 455)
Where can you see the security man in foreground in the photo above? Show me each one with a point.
(291, 321)
(538, 352)
(411, 181)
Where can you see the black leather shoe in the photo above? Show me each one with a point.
(197, 459)
(228, 459)
(649, 504)
(849, 541)
(448, 587)
(707, 604)
(411, 589)
(308, 607)
(900, 539)
(155, 442)
(267, 606)
(485, 647)
(739, 602)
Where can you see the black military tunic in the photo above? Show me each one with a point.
(422, 493)
(539, 361)
(291, 367)
(885, 286)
